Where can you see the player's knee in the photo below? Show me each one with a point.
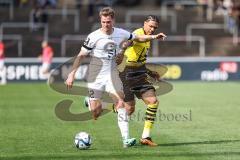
(130, 109)
(96, 108)
(96, 112)
(152, 100)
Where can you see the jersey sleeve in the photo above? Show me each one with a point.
(137, 32)
(88, 44)
(128, 35)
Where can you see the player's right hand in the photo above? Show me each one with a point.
(161, 36)
(69, 81)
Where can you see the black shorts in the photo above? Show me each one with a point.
(135, 82)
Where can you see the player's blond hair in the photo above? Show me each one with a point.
(107, 11)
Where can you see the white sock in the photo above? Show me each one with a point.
(123, 119)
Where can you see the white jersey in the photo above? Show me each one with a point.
(103, 74)
(104, 48)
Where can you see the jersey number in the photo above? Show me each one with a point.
(111, 50)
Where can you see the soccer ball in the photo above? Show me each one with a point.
(82, 140)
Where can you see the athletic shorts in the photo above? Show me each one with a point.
(45, 67)
(135, 82)
(105, 84)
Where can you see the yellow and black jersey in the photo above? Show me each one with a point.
(137, 53)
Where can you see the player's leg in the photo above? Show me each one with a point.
(129, 98)
(95, 107)
(95, 94)
(105, 105)
(115, 89)
(150, 99)
(45, 68)
(138, 84)
(123, 120)
(130, 106)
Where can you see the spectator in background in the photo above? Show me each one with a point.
(228, 11)
(227, 5)
(2, 67)
(21, 3)
(204, 7)
(218, 7)
(223, 7)
(46, 58)
(234, 16)
(95, 5)
(40, 14)
(46, 3)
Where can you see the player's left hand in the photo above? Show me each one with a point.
(119, 58)
(125, 44)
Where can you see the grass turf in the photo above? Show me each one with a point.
(195, 121)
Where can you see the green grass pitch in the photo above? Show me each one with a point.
(205, 126)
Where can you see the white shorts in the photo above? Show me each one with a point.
(105, 84)
(45, 67)
(1, 64)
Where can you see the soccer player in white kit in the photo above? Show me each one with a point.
(104, 45)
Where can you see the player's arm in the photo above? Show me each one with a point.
(145, 38)
(86, 49)
(123, 47)
(71, 76)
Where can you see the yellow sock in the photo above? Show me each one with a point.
(149, 119)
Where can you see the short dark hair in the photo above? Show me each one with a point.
(107, 11)
(152, 18)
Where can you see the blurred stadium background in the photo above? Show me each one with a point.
(214, 22)
(201, 52)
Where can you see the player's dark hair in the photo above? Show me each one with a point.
(107, 11)
(152, 18)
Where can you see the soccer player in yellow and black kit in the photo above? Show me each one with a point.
(134, 78)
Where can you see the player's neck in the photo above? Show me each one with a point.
(144, 31)
(107, 32)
